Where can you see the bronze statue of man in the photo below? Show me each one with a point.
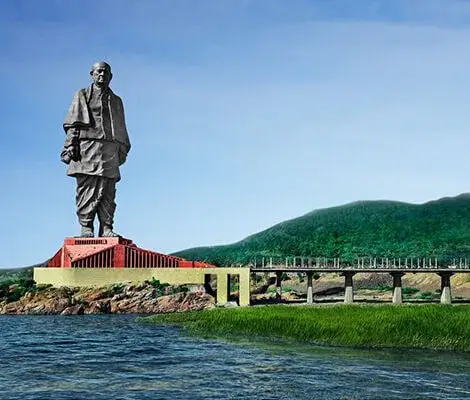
(96, 145)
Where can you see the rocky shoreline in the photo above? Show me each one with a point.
(21, 295)
(144, 298)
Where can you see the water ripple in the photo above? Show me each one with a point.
(115, 357)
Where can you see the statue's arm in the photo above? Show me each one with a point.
(71, 149)
(77, 116)
(124, 148)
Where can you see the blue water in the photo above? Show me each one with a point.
(115, 357)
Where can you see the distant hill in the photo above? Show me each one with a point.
(13, 273)
(439, 228)
(16, 273)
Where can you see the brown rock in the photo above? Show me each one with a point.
(133, 299)
(97, 294)
(100, 307)
(141, 286)
(39, 309)
(13, 287)
(56, 306)
(10, 308)
(78, 309)
(115, 308)
(118, 297)
(183, 302)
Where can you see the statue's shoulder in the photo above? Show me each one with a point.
(117, 100)
(115, 95)
(81, 92)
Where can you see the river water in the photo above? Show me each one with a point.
(116, 357)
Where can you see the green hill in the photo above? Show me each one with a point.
(16, 273)
(439, 228)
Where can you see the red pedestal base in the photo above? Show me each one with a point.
(114, 252)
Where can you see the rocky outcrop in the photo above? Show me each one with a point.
(145, 298)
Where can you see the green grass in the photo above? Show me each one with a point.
(423, 327)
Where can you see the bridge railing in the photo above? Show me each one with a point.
(319, 263)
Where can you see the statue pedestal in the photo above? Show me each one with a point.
(114, 252)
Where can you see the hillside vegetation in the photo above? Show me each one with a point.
(439, 228)
(15, 283)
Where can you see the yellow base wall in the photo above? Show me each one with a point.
(174, 276)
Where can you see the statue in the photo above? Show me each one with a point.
(96, 145)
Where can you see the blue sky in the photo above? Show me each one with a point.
(241, 113)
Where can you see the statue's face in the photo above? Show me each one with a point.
(101, 74)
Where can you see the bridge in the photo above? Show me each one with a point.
(396, 267)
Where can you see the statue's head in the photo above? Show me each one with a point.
(101, 74)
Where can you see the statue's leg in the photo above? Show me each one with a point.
(88, 192)
(107, 207)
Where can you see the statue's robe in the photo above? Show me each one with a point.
(97, 118)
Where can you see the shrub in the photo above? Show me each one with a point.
(42, 286)
(427, 295)
(159, 288)
(110, 291)
(409, 291)
(380, 287)
(179, 289)
(12, 289)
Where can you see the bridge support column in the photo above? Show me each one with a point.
(244, 288)
(223, 288)
(309, 287)
(278, 285)
(397, 293)
(348, 287)
(446, 296)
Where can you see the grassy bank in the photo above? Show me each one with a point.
(423, 327)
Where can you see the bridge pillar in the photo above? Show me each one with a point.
(446, 296)
(348, 287)
(309, 287)
(244, 288)
(278, 285)
(397, 293)
(223, 288)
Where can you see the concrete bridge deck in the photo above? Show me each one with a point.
(360, 270)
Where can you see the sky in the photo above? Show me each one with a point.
(241, 113)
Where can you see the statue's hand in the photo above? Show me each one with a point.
(122, 157)
(75, 144)
(65, 157)
(71, 150)
(71, 153)
(75, 152)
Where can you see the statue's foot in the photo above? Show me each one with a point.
(87, 232)
(108, 232)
